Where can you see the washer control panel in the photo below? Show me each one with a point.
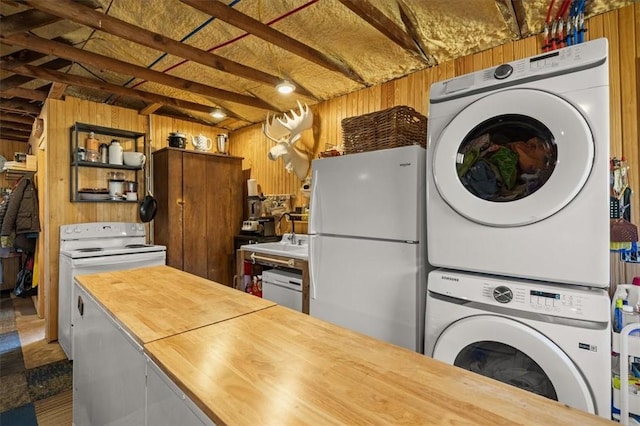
(523, 295)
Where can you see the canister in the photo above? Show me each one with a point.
(92, 144)
(115, 152)
(104, 153)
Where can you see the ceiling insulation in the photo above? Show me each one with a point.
(343, 46)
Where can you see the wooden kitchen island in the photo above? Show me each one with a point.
(258, 363)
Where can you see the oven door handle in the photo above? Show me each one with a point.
(118, 259)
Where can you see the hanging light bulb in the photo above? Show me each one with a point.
(218, 113)
(285, 87)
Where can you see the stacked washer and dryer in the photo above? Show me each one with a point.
(518, 223)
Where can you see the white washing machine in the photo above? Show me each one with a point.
(553, 340)
(518, 168)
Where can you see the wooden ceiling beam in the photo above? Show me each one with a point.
(16, 134)
(16, 118)
(24, 127)
(31, 19)
(31, 94)
(253, 26)
(19, 80)
(411, 24)
(150, 109)
(26, 21)
(19, 105)
(103, 62)
(86, 16)
(57, 90)
(75, 80)
(374, 17)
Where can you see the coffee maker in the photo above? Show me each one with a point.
(258, 223)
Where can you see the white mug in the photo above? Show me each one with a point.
(132, 196)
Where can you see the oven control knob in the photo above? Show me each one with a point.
(77, 229)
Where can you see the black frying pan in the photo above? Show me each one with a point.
(148, 205)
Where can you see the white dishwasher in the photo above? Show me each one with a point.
(283, 287)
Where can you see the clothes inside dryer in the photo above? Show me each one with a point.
(506, 364)
(506, 158)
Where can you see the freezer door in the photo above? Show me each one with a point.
(377, 194)
(374, 287)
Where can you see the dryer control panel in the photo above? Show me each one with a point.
(524, 295)
(582, 56)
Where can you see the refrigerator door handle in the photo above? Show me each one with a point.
(313, 257)
(314, 211)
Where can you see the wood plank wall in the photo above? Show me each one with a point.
(621, 27)
(57, 209)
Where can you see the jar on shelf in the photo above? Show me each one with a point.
(104, 153)
(115, 152)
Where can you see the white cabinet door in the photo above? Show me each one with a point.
(108, 369)
(167, 405)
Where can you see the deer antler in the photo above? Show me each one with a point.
(274, 130)
(298, 122)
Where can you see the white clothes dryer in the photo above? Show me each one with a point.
(548, 339)
(518, 168)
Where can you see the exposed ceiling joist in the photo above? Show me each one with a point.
(86, 16)
(19, 80)
(15, 118)
(102, 62)
(57, 90)
(74, 80)
(369, 13)
(16, 134)
(19, 105)
(150, 109)
(31, 94)
(410, 22)
(6, 124)
(26, 21)
(253, 26)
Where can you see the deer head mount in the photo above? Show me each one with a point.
(285, 132)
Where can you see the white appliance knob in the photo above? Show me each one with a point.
(77, 229)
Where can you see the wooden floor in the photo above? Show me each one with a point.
(36, 352)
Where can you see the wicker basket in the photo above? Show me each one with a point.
(390, 128)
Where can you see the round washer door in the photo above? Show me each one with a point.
(481, 344)
(513, 158)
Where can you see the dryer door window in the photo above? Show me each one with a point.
(487, 343)
(513, 158)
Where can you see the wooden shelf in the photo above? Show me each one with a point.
(16, 174)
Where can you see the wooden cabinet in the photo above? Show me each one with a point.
(199, 199)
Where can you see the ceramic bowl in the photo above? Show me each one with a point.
(133, 158)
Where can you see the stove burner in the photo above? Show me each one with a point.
(89, 249)
(136, 245)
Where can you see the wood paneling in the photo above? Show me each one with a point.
(58, 210)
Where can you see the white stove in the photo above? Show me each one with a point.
(90, 248)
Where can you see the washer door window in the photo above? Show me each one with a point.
(513, 158)
(514, 353)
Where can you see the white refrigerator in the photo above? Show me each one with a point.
(367, 244)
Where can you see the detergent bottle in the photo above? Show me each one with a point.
(620, 298)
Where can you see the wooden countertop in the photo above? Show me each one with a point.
(156, 302)
(276, 366)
